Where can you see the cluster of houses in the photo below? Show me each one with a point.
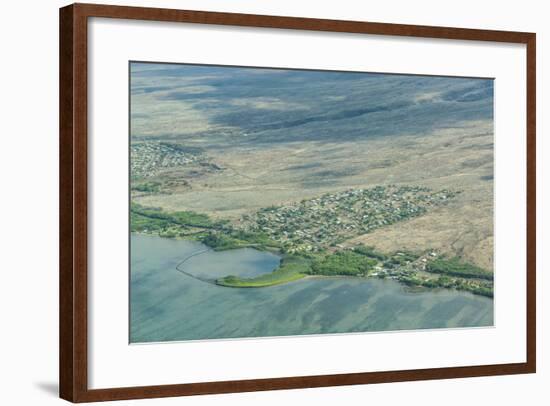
(148, 158)
(328, 220)
(414, 272)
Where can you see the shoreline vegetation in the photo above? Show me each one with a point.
(310, 242)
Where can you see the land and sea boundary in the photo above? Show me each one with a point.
(312, 238)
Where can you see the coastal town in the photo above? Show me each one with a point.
(326, 221)
(313, 235)
(313, 238)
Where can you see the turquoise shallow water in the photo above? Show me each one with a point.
(166, 305)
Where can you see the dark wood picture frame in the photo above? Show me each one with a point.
(73, 202)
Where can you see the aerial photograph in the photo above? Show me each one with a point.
(269, 202)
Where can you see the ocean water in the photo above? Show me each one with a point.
(168, 305)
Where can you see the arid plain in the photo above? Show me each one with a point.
(251, 177)
(253, 145)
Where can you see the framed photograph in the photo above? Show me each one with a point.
(256, 202)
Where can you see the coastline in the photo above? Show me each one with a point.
(293, 268)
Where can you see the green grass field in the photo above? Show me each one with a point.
(291, 269)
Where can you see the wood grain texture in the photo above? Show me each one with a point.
(73, 200)
(66, 130)
(531, 174)
(73, 203)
